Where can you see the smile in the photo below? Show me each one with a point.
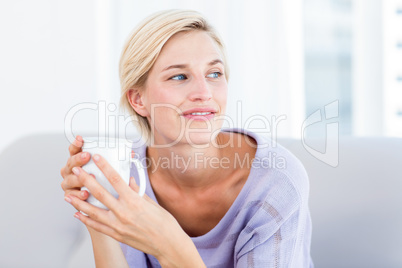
(201, 113)
(199, 116)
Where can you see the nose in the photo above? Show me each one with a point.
(200, 90)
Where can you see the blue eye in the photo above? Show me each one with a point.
(179, 77)
(214, 75)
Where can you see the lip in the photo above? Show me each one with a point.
(188, 114)
(199, 110)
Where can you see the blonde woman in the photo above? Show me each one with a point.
(219, 200)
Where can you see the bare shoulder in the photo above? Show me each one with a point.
(239, 150)
(238, 144)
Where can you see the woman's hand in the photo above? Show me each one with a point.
(71, 184)
(133, 220)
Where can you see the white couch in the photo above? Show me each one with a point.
(356, 207)
(38, 229)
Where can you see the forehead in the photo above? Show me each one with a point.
(188, 47)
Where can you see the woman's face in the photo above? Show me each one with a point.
(186, 90)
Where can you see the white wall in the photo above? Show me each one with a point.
(48, 60)
(367, 68)
(392, 71)
(57, 54)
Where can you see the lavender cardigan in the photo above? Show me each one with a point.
(268, 225)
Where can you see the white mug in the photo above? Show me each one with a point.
(117, 152)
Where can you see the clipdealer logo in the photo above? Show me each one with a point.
(331, 154)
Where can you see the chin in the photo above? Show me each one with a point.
(200, 138)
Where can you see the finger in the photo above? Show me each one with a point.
(96, 189)
(81, 194)
(76, 146)
(113, 176)
(133, 185)
(150, 200)
(93, 212)
(70, 181)
(99, 227)
(77, 160)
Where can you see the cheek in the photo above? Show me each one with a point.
(221, 96)
(166, 120)
(165, 95)
(158, 97)
(163, 103)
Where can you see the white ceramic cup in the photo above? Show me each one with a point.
(117, 152)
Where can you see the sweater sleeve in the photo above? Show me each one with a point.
(134, 257)
(285, 246)
(279, 232)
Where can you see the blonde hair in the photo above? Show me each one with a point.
(143, 47)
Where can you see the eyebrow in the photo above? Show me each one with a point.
(182, 66)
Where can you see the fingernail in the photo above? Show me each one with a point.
(76, 171)
(68, 199)
(83, 155)
(76, 215)
(83, 193)
(96, 157)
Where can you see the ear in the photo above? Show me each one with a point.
(134, 97)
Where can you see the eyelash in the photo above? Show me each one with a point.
(172, 78)
(185, 77)
(219, 74)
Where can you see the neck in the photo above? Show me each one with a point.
(188, 167)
